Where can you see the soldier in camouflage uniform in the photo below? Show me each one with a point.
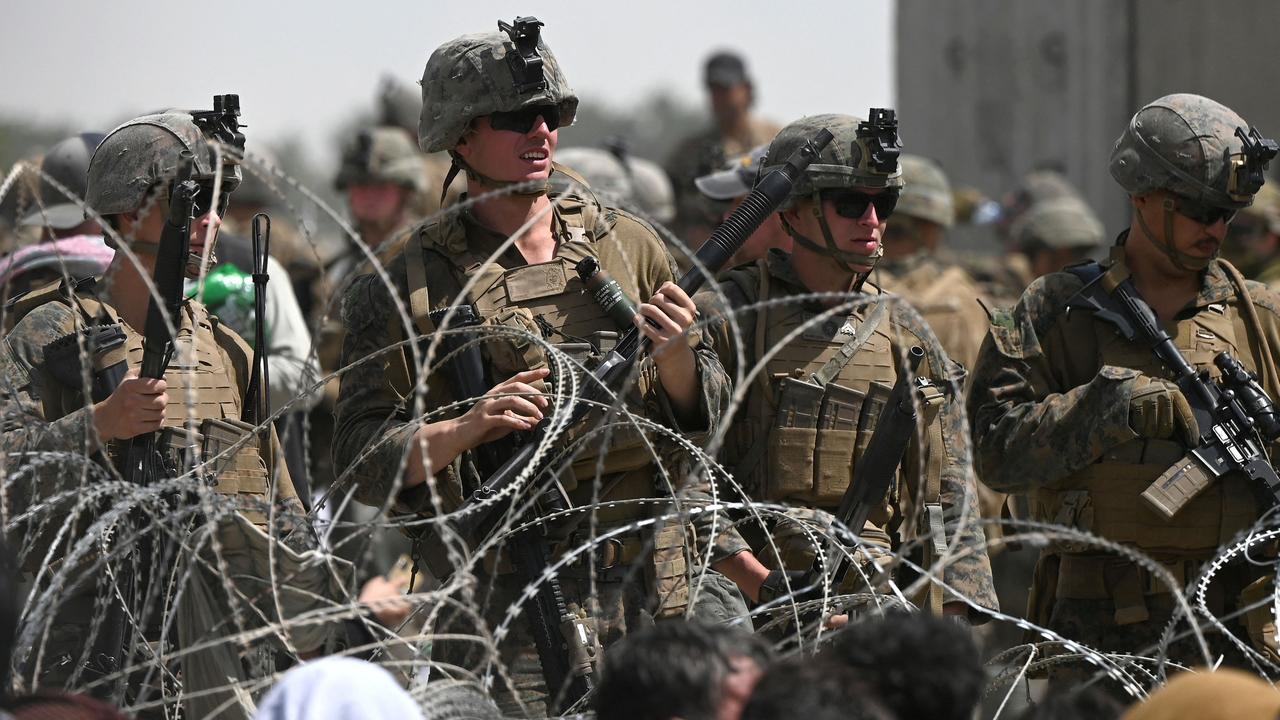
(1055, 233)
(1253, 240)
(79, 435)
(808, 412)
(729, 186)
(916, 267)
(383, 178)
(1083, 421)
(496, 107)
(619, 178)
(735, 131)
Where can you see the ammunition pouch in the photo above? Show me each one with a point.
(1106, 499)
(226, 454)
(817, 436)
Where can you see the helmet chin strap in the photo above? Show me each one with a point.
(1180, 260)
(460, 165)
(843, 258)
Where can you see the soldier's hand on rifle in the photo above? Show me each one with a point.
(495, 416)
(136, 407)
(665, 319)
(1159, 410)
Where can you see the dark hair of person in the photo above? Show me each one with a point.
(674, 669)
(813, 688)
(1068, 703)
(920, 666)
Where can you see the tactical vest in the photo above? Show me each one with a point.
(800, 441)
(1105, 497)
(203, 395)
(543, 300)
(548, 301)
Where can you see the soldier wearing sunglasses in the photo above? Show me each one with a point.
(496, 102)
(1082, 420)
(827, 362)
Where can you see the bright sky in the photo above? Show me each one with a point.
(302, 67)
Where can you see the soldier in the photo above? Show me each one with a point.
(69, 241)
(915, 265)
(734, 131)
(730, 185)
(836, 216)
(1055, 233)
(1253, 239)
(56, 432)
(619, 178)
(382, 176)
(1067, 410)
(495, 102)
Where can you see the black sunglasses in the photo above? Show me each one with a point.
(853, 205)
(1201, 213)
(204, 201)
(522, 121)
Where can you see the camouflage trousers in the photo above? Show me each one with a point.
(1092, 623)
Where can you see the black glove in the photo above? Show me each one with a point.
(778, 581)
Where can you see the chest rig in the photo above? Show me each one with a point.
(1105, 497)
(202, 428)
(817, 400)
(547, 301)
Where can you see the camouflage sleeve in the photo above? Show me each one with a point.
(1029, 430)
(713, 381)
(715, 529)
(969, 570)
(373, 430)
(22, 383)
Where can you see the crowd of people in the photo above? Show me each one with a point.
(745, 435)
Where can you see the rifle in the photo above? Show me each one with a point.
(566, 646)
(479, 511)
(877, 466)
(1233, 414)
(141, 459)
(763, 200)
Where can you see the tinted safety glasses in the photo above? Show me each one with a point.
(522, 121)
(853, 205)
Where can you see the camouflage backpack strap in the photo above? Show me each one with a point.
(80, 295)
(419, 296)
(931, 399)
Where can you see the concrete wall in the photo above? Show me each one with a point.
(994, 88)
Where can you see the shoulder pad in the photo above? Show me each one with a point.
(58, 291)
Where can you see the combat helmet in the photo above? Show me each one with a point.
(619, 178)
(863, 154)
(65, 164)
(381, 155)
(142, 154)
(484, 73)
(135, 163)
(926, 193)
(1199, 151)
(1060, 223)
